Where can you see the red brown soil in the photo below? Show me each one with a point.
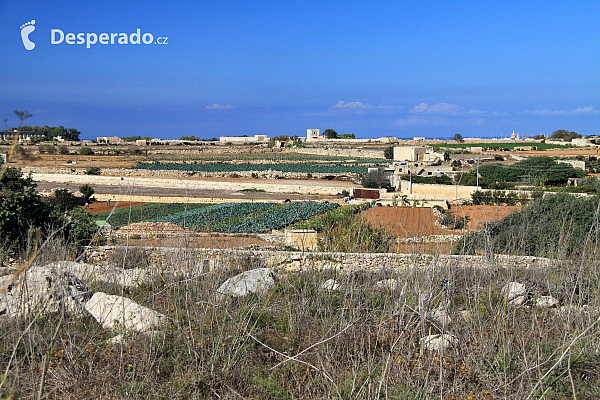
(405, 222)
(101, 206)
(82, 162)
(480, 215)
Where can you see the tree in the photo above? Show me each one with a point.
(71, 134)
(80, 228)
(458, 138)
(58, 131)
(537, 170)
(388, 153)
(565, 135)
(376, 179)
(21, 208)
(330, 134)
(447, 155)
(64, 200)
(347, 136)
(87, 191)
(131, 138)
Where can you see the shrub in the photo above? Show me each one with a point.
(47, 148)
(87, 191)
(86, 151)
(81, 228)
(389, 153)
(21, 208)
(92, 171)
(376, 179)
(64, 200)
(558, 223)
(537, 170)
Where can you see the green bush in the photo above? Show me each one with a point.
(87, 191)
(555, 224)
(388, 153)
(86, 151)
(23, 214)
(21, 208)
(92, 171)
(376, 179)
(536, 170)
(438, 180)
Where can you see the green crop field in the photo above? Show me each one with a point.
(248, 217)
(261, 157)
(125, 216)
(326, 168)
(205, 218)
(278, 218)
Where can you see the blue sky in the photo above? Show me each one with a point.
(398, 68)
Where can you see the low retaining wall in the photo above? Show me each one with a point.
(298, 187)
(180, 257)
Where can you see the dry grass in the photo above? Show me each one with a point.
(299, 341)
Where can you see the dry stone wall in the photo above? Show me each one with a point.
(177, 258)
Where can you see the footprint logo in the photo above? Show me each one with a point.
(26, 29)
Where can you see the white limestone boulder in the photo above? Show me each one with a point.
(257, 280)
(42, 289)
(122, 314)
(330, 285)
(438, 342)
(515, 293)
(386, 284)
(546, 302)
(439, 317)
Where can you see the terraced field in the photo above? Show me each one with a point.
(261, 157)
(147, 212)
(309, 168)
(259, 162)
(248, 217)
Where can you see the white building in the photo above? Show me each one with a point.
(313, 134)
(244, 139)
(409, 153)
(108, 139)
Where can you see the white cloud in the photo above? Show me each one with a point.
(438, 108)
(587, 110)
(352, 105)
(219, 107)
